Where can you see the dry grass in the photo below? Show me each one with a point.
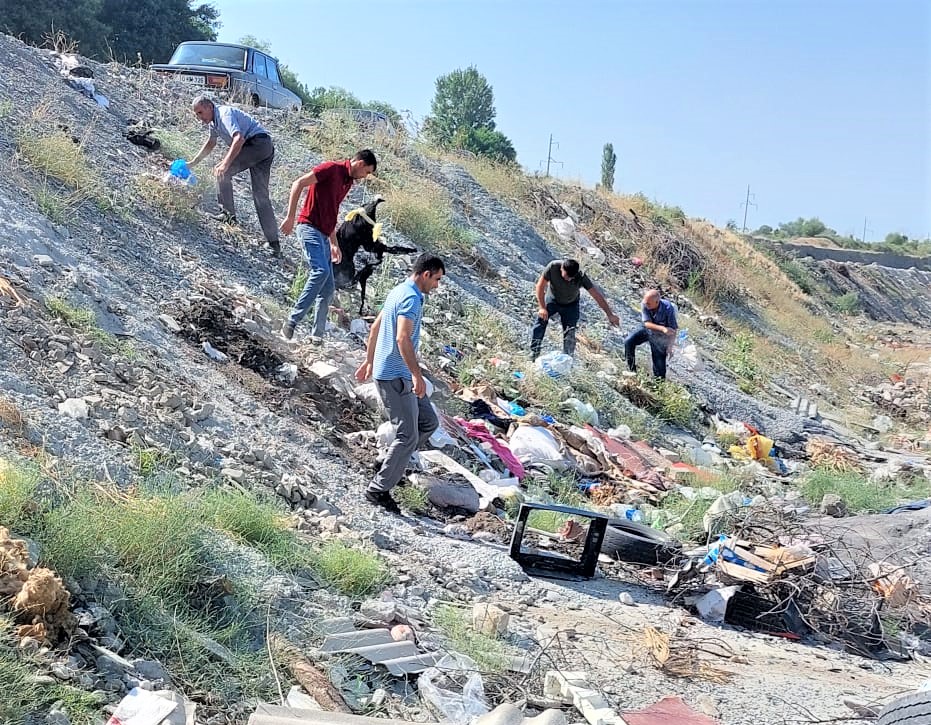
(176, 202)
(11, 417)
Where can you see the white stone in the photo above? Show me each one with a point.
(490, 620)
(74, 408)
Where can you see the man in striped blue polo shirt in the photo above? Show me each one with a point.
(391, 357)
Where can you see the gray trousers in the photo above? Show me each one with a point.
(416, 422)
(257, 156)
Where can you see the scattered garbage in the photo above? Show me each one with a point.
(142, 707)
(555, 364)
(453, 689)
(213, 353)
(536, 445)
(585, 411)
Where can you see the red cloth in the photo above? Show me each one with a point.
(668, 711)
(321, 207)
(480, 432)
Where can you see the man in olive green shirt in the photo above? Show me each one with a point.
(558, 291)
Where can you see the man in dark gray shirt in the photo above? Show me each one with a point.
(558, 291)
(250, 147)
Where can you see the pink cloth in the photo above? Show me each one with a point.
(480, 433)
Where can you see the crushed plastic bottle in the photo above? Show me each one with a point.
(682, 337)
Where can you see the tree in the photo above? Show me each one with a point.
(288, 77)
(485, 142)
(463, 101)
(763, 231)
(34, 21)
(895, 239)
(608, 162)
(324, 99)
(123, 29)
(731, 225)
(463, 116)
(152, 29)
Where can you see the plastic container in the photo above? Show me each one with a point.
(682, 337)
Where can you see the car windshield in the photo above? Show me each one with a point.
(222, 56)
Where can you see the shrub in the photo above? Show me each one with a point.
(413, 498)
(19, 486)
(859, 493)
(848, 303)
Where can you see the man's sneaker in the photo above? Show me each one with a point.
(287, 330)
(275, 246)
(383, 499)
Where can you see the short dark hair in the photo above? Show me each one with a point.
(571, 267)
(368, 157)
(427, 262)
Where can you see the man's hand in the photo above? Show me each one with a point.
(419, 387)
(614, 320)
(287, 226)
(364, 372)
(221, 169)
(336, 254)
(543, 314)
(665, 330)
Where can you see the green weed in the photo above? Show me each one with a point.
(859, 493)
(413, 498)
(354, 571)
(487, 652)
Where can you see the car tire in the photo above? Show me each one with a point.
(637, 544)
(914, 709)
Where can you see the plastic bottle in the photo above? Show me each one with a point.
(682, 337)
(631, 513)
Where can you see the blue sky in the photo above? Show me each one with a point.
(822, 106)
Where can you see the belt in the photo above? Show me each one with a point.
(257, 137)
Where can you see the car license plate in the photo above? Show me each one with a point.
(193, 80)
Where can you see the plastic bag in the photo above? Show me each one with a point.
(453, 706)
(532, 444)
(691, 358)
(585, 411)
(565, 228)
(554, 364)
(441, 437)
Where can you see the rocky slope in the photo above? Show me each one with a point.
(88, 398)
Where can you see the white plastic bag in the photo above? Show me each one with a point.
(141, 707)
(555, 364)
(565, 228)
(585, 411)
(455, 707)
(532, 444)
(441, 437)
(691, 358)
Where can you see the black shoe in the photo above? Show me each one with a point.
(275, 246)
(383, 499)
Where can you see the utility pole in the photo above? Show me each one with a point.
(746, 205)
(864, 230)
(549, 155)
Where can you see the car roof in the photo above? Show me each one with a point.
(229, 45)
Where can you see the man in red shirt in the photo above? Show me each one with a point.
(327, 186)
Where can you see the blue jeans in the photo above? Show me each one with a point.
(657, 351)
(319, 287)
(568, 316)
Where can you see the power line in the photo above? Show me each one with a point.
(746, 205)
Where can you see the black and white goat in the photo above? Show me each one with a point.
(358, 239)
